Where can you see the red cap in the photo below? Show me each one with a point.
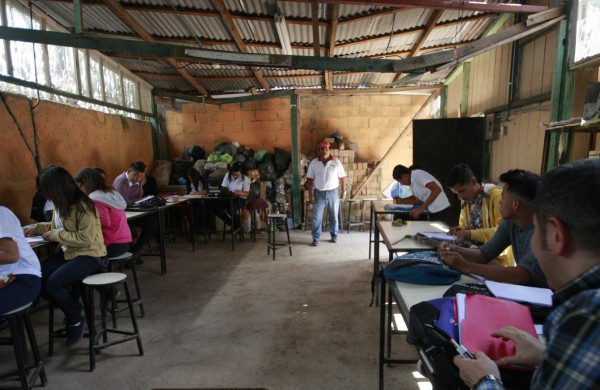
(324, 143)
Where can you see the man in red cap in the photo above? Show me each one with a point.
(325, 177)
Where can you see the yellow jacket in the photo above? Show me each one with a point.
(81, 233)
(490, 215)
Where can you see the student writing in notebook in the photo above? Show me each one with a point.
(516, 207)
(479, 209)
(567, 224)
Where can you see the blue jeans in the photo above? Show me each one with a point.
(21, 291)
(331, 199)
(58, 276)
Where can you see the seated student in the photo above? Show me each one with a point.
(17, 258)
(567, 222)
(234, 183)
(76, 227)
(110, 206)
(41, 208)
(426, 192)
(196, 184)
(129, 185)
(516, 207)
(254, 202)
(480, 208)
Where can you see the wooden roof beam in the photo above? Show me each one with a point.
(237, 37)
(334, 14)
(431, 23)
(464, 5)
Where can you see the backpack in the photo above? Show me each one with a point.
(422, 267)
(436, 352)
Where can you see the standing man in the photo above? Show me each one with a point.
(325, 177)
(565, 242)
(516, 229)
(129, 185)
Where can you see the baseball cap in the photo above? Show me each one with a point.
(324, 143)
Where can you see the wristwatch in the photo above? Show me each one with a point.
(489, 377)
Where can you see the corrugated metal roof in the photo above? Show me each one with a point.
(363, 31)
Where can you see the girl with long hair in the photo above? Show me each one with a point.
(76, 227)
(110, 206)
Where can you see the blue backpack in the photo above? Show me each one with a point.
(422, 267)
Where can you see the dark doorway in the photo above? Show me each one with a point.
(440, 144)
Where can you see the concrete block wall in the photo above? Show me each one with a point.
(371, 123)
(264, 124)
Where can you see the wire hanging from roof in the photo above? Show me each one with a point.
(185, 24)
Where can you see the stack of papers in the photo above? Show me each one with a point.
(518, 293)
(439, 236)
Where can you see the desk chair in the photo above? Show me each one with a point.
(272, 221)
(21, 330)
(361, 221)
(117, 263)
(104, 284)
(62, 332)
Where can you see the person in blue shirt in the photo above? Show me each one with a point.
(566, 244)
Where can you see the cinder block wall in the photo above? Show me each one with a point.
(261, 124)
(371, 123)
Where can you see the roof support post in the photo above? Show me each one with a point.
(296, 205)
(562, 95)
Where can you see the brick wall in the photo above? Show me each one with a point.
(70, 137)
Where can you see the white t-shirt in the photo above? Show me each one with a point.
(326, 176)
(418, 180)
(240, 184)
(28, 262)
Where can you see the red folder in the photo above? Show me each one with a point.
(484, 315)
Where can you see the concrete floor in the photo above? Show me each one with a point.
(223, 319)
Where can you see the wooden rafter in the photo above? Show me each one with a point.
(465, 5)
(334, 14)
(135, 26)
(431, 24)
(314, 11)
(235, 34)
